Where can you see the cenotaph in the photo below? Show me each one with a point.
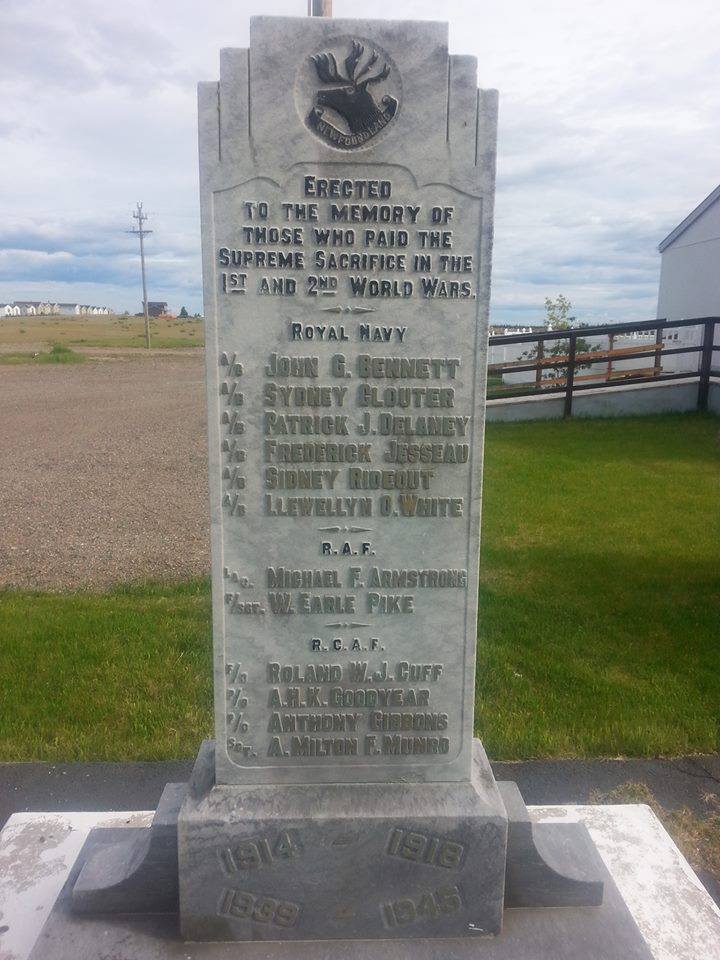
(347, 172)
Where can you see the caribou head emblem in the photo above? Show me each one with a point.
(350, 98)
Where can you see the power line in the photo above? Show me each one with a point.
(141, 233)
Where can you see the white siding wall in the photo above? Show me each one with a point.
(690, 270)
(690, 275)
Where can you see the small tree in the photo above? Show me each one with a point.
(557, 313)
(558, 317)
(183, 313)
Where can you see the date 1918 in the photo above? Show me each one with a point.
(435, 851)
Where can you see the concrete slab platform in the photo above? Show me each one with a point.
(652, 882)
(585, 933)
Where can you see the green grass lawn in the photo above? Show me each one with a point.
(600, 588)
(107, 332)
(115, 676)
(599, 622)
(58, 353)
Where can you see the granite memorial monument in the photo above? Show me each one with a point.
(347, 174)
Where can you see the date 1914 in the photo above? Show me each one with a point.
(261, 851)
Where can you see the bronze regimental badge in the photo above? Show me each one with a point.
(347, 111)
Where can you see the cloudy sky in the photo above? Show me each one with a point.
(609, 136)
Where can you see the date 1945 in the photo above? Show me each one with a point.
(426, 906)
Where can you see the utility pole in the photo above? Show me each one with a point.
(141, 217)
(319, 8)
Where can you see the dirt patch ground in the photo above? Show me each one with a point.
(103, 472)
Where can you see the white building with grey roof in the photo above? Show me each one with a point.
(48, 308)
(690, 266)
(690, 276)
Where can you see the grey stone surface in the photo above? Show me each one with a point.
(674, 914)
(603, 933)
(341, 861)
(346, 381)
(228, 834)
(139, 874)
(548, 864)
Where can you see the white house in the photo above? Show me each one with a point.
(48, 308)
(27, 308)
(690, 265)
(86, 309)
(690, 275)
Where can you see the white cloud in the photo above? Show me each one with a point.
(608, 125)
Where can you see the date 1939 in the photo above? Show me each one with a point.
(248, 906)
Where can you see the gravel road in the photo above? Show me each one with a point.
(103, 471)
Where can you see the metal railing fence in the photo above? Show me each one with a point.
(572, 361)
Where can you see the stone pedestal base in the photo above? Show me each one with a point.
(653, 905)
(341, 861)
(607, 932)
